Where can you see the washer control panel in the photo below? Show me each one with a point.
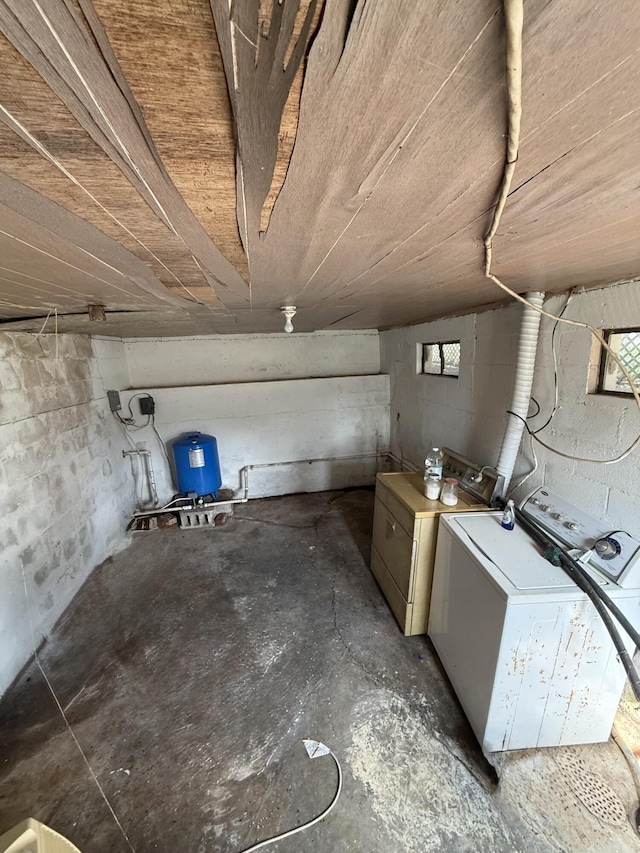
(615, 553)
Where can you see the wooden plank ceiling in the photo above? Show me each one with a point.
(193, 168)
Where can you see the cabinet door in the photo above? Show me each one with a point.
(395, 599)
(395, 547)
(398, 511)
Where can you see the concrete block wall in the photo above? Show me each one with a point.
(466, 413)
(266, 398)
(216, 359)
(64, 496)
(589, 425)
(266, 422)
(469, 414)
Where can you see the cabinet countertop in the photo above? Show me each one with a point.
(408, 488)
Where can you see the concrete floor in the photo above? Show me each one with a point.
(191, 666)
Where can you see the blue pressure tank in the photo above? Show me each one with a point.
(197, 464)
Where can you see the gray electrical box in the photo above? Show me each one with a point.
(114, 400)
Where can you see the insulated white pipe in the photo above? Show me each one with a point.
(529, 330)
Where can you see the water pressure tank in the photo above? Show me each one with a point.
(197, 465)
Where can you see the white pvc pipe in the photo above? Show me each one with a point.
(145, 461)
(244, 473)
(528, 346)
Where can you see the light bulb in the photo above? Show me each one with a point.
(289, 312)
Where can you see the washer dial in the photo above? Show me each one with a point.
(608, 548)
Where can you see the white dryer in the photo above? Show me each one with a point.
(528, 657)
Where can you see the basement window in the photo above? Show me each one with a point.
(440, 359)
(626, 345)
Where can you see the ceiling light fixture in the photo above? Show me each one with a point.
(289, 312)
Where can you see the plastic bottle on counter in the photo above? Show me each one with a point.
(433, 462)
(432, 485)
(509, 516)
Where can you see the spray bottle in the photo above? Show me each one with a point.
(509, 516)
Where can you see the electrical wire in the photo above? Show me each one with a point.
(65, 719)
(160, 441)
(5, 303)
(132, 424)
(555, 367)
(532, 471)
(136, 449)
(122, 423)
(537, 411)
(304, 825)
(533, 451)
(514, 17)
(615, 459)
(131, 421)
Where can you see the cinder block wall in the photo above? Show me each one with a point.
(469, 414)
(66, 493)
(64, 497)
(266, 398)
(592, 425)
(276, 422)
(218, 359)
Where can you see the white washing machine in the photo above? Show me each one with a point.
(528, 657)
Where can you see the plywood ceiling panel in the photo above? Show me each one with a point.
(380, 169)
(70, 50)
(356, 146)
(55, 261)
(78, 175)
(168, 52)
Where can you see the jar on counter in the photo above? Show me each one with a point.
(432, 485)
(449, 495)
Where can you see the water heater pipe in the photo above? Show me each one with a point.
(529, 329)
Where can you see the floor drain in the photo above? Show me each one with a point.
(591, 790)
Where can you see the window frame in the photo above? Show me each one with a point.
(600, 390)
(440, 345)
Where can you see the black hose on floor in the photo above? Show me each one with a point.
(598, 600)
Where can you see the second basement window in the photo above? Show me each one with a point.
(626, 345)
(441, 358)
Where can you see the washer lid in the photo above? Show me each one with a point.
(514, 553)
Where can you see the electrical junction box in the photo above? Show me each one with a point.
(114, 400)
(147, 406)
